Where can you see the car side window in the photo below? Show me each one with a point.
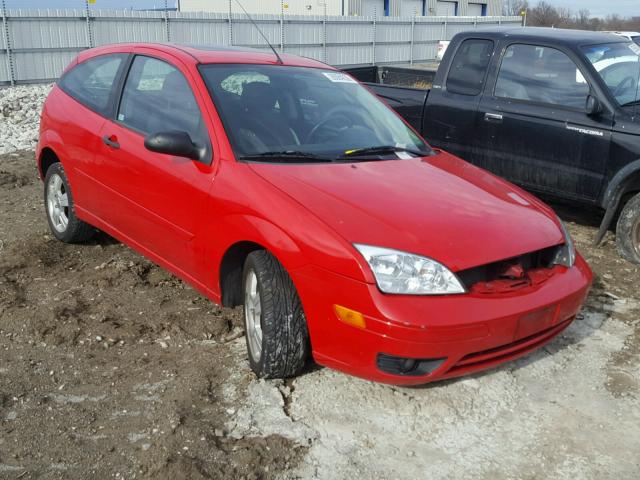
(157, 98)
(469, 67)
(91, 82)
(541, 74)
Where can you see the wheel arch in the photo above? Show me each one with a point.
(623, 184)
(46, 158)
(257, 234)
(231, 267)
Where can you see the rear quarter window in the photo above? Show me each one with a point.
(92, 82)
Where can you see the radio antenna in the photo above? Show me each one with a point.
(261, 33)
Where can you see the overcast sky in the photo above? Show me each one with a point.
(600, 8)
(625, 8)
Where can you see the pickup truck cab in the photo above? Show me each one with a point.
(554, 111)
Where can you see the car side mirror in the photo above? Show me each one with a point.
(174, 143)
(593, 106)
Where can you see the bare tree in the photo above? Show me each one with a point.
(544, 14)
(582, 18)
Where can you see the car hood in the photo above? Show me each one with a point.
(440, 207)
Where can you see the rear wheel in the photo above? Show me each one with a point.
(58, 201)
(275, 324)
(628, 230)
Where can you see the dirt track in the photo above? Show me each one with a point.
(112, 368)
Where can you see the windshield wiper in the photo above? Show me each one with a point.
(287, 156)
(631, 104)
(384, 149)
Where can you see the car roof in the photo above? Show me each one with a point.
(207, 54)
(558, 35)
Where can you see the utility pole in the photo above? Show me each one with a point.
(7, 44)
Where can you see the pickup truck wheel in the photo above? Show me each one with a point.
(628, 230)
(58, 202)
(275, 324)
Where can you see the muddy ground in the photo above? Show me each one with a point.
(112, 368)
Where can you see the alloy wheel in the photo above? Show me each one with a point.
(252, 316)
(57, 203)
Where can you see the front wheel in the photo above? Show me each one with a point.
(275, 324)
(628, 230)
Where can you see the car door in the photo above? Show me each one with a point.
(156, 200)
(450, 111)
(91, 89)
(533, 128)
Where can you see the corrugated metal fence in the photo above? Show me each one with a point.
(35, 45)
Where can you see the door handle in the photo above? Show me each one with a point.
(493, 117)
(111, 141)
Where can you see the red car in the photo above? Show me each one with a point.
(284, 185)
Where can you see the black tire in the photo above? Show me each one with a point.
(628, 230)
(75, 231)
(285, 343)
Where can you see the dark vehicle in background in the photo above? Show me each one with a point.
(555, 111)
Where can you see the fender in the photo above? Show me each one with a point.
(292, 253)
(616, 188)
(250, 228)
(247, 229)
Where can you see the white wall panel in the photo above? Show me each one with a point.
(45, 41)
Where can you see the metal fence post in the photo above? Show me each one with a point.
(324, 34)
(282, 25)
(230, 23)
(7, 43)
(87, 14)
(166, 21)
(373, 44)
(413, 29)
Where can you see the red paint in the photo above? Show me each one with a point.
(185, 215)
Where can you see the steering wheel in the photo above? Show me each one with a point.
(622, 86)
(339, 111)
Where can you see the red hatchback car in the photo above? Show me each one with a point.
(286, 186)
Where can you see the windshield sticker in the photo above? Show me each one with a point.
(404, 155)
(339, 77)
(635, 48)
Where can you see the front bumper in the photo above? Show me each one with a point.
(469, 332)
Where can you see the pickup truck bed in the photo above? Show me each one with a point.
(404, 89)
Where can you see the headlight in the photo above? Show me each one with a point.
(405, 273)
(566, 254)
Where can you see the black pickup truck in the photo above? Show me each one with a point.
(555, 111)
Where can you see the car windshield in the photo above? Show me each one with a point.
(619, 66)
(279, 113)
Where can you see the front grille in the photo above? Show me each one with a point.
(512, 273)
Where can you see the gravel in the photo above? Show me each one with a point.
(20, 109)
